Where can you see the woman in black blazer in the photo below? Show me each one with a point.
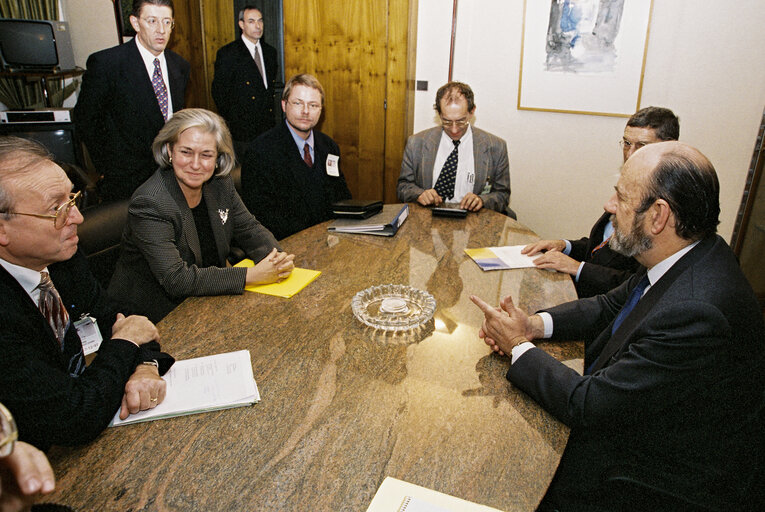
(182, 220)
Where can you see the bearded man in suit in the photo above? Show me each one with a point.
(672, 393)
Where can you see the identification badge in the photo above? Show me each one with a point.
(333, 165)
(90, 336)
(486, 187)
(471, 177)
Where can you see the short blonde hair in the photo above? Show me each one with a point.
(206, 121)
(302, 79)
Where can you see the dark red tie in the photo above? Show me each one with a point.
(307, 155)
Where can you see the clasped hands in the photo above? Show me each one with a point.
(470, 202)
(274, 267)
(507, 326)
(145, 389)
(553, 258)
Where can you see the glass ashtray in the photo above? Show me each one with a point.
(393, 307)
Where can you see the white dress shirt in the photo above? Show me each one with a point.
(463, 183)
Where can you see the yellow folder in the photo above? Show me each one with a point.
(298, 279)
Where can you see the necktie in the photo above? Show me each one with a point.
(632, 301)
(445, 182)
(600, 245)
(307, 155)
(52, 308)
(160, 91)
(259, 65)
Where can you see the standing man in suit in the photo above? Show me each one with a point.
(291, 174)
(455, 163)
(243, 87)
(674, 357)
(128, 92)
(48, 301)
(594, 266)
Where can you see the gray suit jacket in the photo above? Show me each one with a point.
(160, 260)
(489, 154)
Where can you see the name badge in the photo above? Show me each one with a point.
(471, 177)
(333, 165)
(90, 336)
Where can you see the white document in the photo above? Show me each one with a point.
(511, 255)
(203, 384)
(398, 496)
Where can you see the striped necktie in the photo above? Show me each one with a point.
(52, 308)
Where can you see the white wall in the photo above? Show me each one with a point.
(704, 61)
(92, 26)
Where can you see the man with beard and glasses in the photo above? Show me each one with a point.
(665, 416)
(593, 265)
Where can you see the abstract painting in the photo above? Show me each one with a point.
(583, 56)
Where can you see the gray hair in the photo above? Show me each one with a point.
(17, 156)
(206, 121)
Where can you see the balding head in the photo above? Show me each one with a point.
(683, 177)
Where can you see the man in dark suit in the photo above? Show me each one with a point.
(243, 87)
(477, 160)
(594, 266)
(674, 357)
(48, 299)
(128, 92)
(291, 174)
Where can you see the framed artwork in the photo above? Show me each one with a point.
(583, 56)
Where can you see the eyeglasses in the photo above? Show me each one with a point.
(459, 124)
(627, 145)
(9, 434)
(62, 212)
(313, 107)
(168, 23)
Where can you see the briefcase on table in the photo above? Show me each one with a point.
(356, 208)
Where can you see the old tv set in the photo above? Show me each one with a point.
(32, 45)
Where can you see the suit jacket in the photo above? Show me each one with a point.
(160, 259)
(490, 157)
(282, 191)
(238, 90)
(54, 404)
(117, 115)
(674, 393)
(604, 270)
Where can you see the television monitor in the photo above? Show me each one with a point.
(35, 45)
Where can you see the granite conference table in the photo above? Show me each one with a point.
(342, 405)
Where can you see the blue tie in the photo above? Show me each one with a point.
(632, 301)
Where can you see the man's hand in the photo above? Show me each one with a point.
(557, 261)
(25, 473)
(507, 326)
(134, 328)
(274, 267)
(430, 197)
(544, 245)
(145, 389)
(471, 202)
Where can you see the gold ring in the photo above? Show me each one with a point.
(152, 400)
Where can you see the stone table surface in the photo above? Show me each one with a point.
(344, 406)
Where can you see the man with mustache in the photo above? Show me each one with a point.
(291, 174)
(672, 393)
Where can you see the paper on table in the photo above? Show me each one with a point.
(203, 384)
(499, 258)
(298, 279)
(398, 496)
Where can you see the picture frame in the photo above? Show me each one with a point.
(583, 56)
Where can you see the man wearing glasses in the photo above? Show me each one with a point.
(291, 174)
(128, 92)
(455, 163)
(592, 264)
(46, 292)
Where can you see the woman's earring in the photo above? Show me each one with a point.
(171, 158)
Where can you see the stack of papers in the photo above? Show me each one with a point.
(399, 496)
(298, 279)
(499, 258)
(202, 384)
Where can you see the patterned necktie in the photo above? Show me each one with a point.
(259, 65)
(307, 155)
(160, 91)
(445, 182)
(52, 308)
